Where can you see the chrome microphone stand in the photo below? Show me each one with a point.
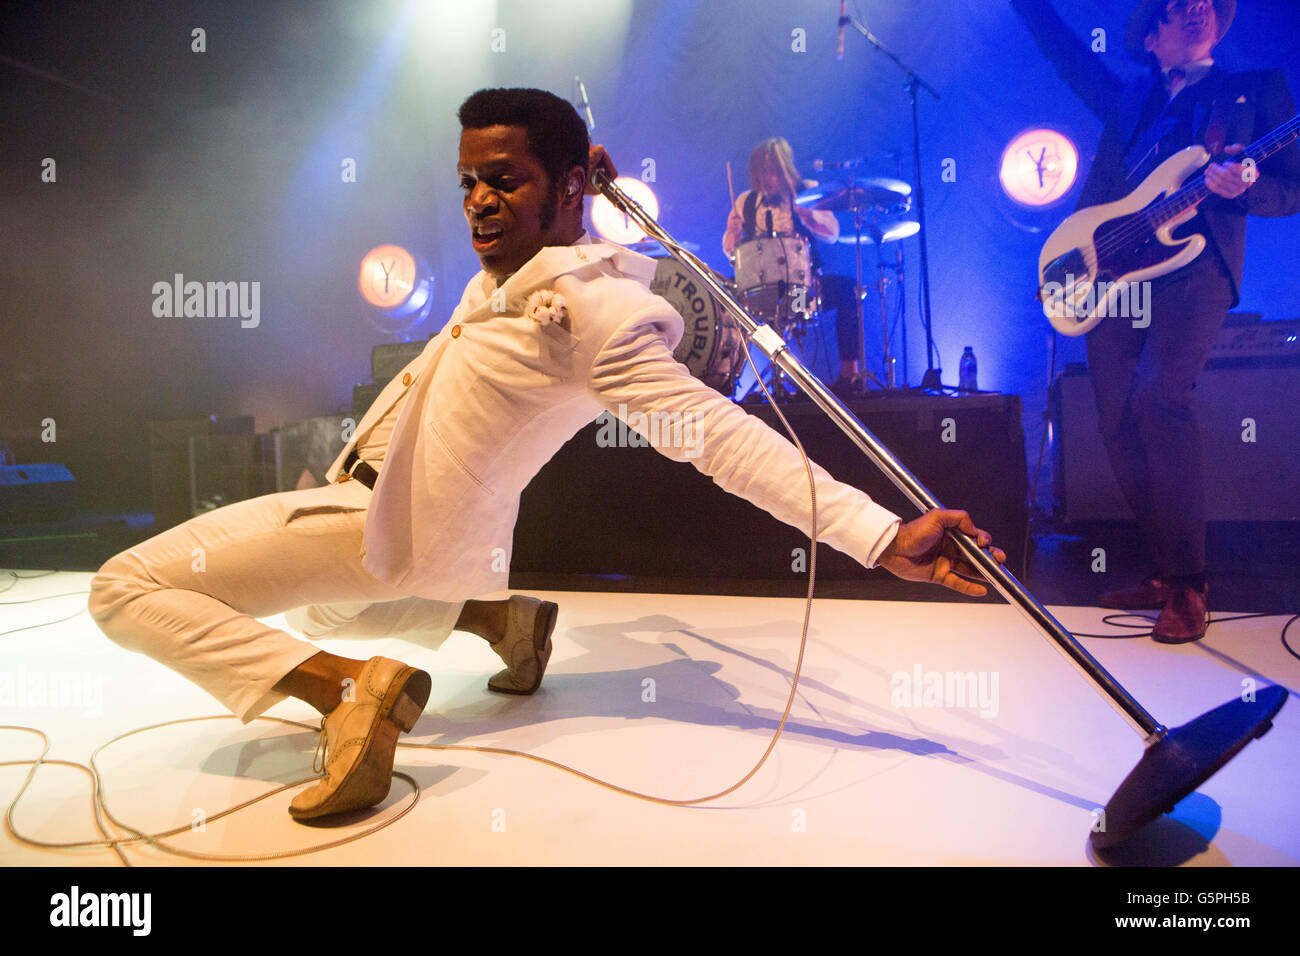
(1176, 762)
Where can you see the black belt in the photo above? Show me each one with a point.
(362, 472)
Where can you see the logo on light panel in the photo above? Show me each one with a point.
(1039, 167)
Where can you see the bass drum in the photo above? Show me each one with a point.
(711, 345)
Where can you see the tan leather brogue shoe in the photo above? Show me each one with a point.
(526, 646)
(359, 738)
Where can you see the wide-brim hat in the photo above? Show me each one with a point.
(1139, 23)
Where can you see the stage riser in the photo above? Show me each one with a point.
(631, 511)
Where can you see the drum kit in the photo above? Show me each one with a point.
(776, 282)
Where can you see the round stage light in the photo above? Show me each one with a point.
(612, 224)
(398, 285)
(1038, 167)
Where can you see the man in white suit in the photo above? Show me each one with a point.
(417, 518)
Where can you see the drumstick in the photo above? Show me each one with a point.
(731, 186)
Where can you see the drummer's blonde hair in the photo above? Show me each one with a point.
(777, 153)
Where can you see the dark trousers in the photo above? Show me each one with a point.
(1143, 380)
(837, 296)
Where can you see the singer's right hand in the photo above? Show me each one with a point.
(923, 551)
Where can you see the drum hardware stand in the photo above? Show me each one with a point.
(860, 291)
(889, 362)
(779, 385)
(933, 376)
(1175, 762)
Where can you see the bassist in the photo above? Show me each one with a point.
(1143, 377)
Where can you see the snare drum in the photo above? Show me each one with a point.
(711, 342)
(775, 278)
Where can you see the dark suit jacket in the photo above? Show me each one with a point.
(1229, 108)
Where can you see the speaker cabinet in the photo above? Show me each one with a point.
(1245, 480)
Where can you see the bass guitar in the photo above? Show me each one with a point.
(1089, 263)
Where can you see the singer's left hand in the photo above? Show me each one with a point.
(597, 158)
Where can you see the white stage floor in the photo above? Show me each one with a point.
(857, 777)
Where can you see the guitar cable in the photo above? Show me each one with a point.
(101, 810)
(136, 836)
(157, 840)
(1038, 468)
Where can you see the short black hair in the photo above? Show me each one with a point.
(557, 136)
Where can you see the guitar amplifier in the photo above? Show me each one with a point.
(387, 360)
(1256, 344)
(310, 445)
(197, 464)
(1246, 391)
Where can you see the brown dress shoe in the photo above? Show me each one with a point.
(1150, 594)
(359, 737)
(1184, 618)
(525, 647)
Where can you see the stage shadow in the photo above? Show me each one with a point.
(1170, 840)
(687, 690)
(286, 757)
(426, 778)
(679, 691)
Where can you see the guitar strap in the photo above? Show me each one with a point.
(1211, 102)
(751, 214)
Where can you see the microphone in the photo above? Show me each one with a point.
(839, 33)
(820, 164)
(770, 230)
(586, 107)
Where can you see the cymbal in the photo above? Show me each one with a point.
(857, 193)
(888, 232)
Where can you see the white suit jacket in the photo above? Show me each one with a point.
(494, 395)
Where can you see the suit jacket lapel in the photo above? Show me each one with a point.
(1132, 110)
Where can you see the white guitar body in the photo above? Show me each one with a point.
(1079, 286)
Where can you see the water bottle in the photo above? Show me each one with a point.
(966, 371)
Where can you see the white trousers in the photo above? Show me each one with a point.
(191, 596)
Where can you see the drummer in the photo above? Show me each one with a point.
(767, 208)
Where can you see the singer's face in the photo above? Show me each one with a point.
(510, 202)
